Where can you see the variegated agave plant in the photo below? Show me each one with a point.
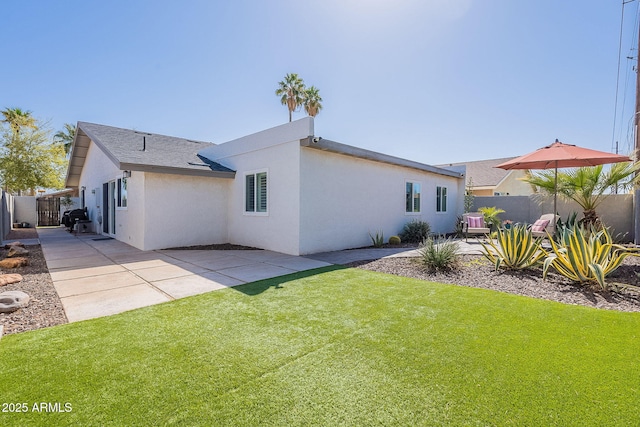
(586, 256)
(515, 249)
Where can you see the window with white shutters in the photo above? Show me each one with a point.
(255, 192)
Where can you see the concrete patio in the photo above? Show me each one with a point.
(97, 277)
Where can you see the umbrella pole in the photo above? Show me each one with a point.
(555, 197)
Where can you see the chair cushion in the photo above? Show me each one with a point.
(474, 222)
(540, 225)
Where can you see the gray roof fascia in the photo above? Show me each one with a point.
(350, 150)
(177, 171)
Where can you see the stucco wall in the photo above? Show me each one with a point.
(25, 210)
(278, 230)
(6, 211)
(97, 170)
(343, 199)
(184, 210)
(616, 211)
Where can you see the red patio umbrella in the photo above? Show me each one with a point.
(559, 155)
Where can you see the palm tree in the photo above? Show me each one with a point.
(291, 92)
(66, 136)
(587, 186)
(17, 119)
(312, 101)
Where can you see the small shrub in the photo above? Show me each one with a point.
(439, 255)
(378, 239)
(516, 248)
(394, 240)
(415, 231)
(586, 256)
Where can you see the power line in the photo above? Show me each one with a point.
(630, 71)
(615, 109)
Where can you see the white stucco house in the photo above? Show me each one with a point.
(281, 189)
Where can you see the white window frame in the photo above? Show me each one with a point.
(413, 210)
(439, 198)
(255, 174)
(121, 204)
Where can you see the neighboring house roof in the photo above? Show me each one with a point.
(142, 151)
(483, 173)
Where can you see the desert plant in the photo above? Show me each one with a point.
(66, 201)
(439, 255)
(570, 223)
(378, 239)
(394, 240)
(468, 196)
(491, 216)
(586, 256)
(516, 249)
(415, 231)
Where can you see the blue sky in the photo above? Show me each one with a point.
(436, 81)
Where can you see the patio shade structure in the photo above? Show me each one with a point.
(560, 155)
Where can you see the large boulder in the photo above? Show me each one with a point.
(10, 301)
(14, 262)
(7, 279)
(15, 251)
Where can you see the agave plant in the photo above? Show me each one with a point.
(586, 256)
(378, 239)
(516, 248)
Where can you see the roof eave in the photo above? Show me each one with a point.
(177, 171)
(361, 153)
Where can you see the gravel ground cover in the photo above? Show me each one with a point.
(45, 308)
(476, 271)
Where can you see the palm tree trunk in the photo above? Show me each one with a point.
(590, 219)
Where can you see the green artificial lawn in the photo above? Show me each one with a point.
(331, 347)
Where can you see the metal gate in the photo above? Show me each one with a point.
(48, 211)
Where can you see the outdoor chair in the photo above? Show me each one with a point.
(473, 223)
(545, 224)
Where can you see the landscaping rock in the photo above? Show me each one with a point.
(12, 244)
(14, 262)
(15, 251)
(7, 279)
(12, 300)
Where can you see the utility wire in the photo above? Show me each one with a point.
(627, 81)
(615, 108)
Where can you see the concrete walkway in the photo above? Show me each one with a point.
(97, 277)
(354, 255)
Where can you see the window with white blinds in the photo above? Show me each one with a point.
(255, 192)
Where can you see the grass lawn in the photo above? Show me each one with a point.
(332, 347)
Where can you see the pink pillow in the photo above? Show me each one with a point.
(474, 222)
(540, 225)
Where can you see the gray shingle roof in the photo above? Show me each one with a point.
(142, 151)
(483, 173)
